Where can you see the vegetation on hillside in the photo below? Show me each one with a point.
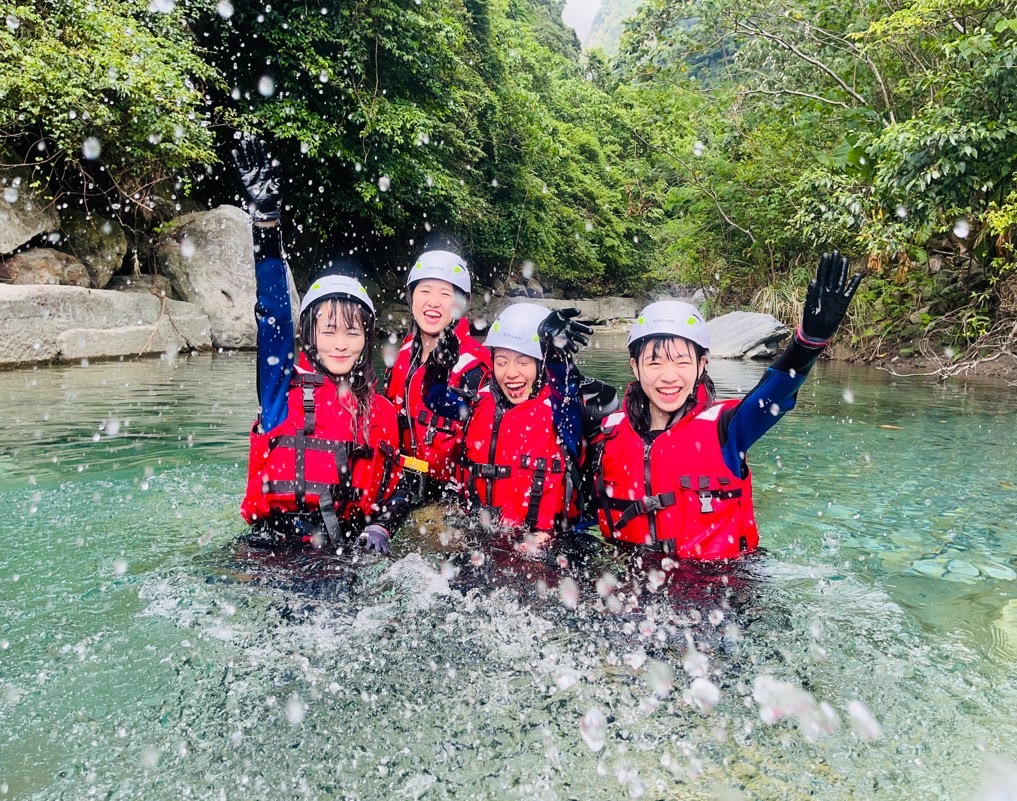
(725, 145)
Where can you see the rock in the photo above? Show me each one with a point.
(69, 323)
(44, 266)
(158, 285)
(745, 335)
(209, 258)
(100, 244)
(596, 311)
(24, 213)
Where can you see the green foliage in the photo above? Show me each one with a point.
(397, 121)
(127, 81)
(887, 130)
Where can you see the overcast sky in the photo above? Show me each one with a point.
(579, 14)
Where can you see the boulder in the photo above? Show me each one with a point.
(69, 323)
(209, 258)
(99, 244)
(745, 335)
(158, 285)
(596, 311)
(44, 266)
(24, 213)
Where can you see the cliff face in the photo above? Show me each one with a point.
(609, 24)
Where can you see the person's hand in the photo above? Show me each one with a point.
(442, 359)
(375, 538)
(260, 175)
(560, 332)
(827, 299)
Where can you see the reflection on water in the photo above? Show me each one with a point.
(147, 653)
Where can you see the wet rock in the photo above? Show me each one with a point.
(24, 213)
(209, 258)
(745, 335)
(596, 311)
(100, 244)
(69, 323)
(158, 285)
(44, 266)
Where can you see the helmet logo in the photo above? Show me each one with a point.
(317, 285)
(692, 320)
(457, 269)
(496, 326)
(418, 266)
(641, 321)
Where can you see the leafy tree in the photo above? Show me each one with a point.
(105, 99)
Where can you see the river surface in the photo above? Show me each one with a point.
(869, 651)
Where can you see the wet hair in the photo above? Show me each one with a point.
(637, 405)
(361, 378)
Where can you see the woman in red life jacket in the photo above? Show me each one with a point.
(323, 461)
(671, 469)
(524, 427)
(438, 290)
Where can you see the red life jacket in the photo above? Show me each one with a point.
(316, 460)
(675, 493)
(515, 461)
(425, 435)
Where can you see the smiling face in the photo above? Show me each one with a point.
(667, 369)
(433, 305)
(339, 337)
(515, 373)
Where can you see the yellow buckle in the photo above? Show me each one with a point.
(418, 465)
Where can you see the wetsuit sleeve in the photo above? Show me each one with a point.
(275, 328)
(566, 404)
(773, 397)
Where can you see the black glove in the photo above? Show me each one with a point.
(827, 299)
(261, 177)
(561, 335)
(441, 361)
(375, 538)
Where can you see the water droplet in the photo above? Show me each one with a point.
(266, 86)
(593, 729)
(323, 76)
(660, 677)
(161, 6)
(91, 148)
(961, 229)
(849, 396)
(13, 22)
(383, 183)
(119, 567)
(272, 361)
(224, 8)
(11, 194)
(527, 269)
(902, 211)
(698, 148)
(568, 590)
(295, 710)
(112, 427)
(702, 694)
(187, 247)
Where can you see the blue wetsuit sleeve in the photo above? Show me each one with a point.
(772, 398)
(566, 404)
(275, 340)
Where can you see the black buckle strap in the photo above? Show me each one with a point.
(489, 471)
(536, 491)
(557, 466)
(649, 504)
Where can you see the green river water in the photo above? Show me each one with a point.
(869, 652)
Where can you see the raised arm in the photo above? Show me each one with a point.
(260, 176)
(826, 302)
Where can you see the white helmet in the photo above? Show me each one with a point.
(516, 329)
(671, 318)
(441, 264)
(336, 286)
